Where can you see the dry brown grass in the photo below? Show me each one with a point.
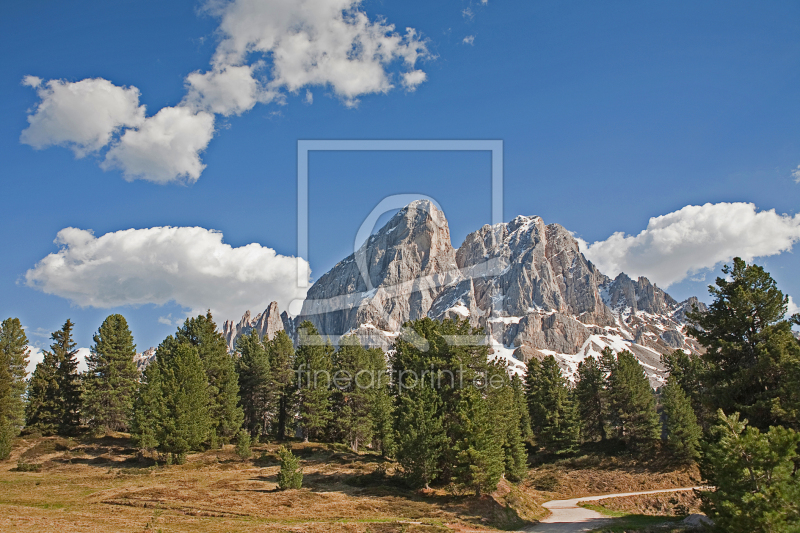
(100, 485)
(666, 504)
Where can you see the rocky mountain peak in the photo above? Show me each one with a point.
(267, 323)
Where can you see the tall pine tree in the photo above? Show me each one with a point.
(313, 364)
(13, 362)
(353, 393)
(751, 358)
(54, 391)
(256, 396)
(632, 403)
(223, 383)
(590, 393)
(554, 415)
(421, 438)
(111, 380)
(510, 414)
(280, 350)
(682, 430)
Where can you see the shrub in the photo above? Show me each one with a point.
(290, 476)
(243, 445)
(28, 467)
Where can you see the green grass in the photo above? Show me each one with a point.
(626, 522)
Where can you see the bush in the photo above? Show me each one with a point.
(243, 445)
(28, 467)
(290, 476)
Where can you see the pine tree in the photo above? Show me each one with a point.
(290, 475)
(480, 461)
(256, 395)
(148, 409)
(683, 431)
(687, 370)
(112, 378)
(590, 393)
(281, 360)
(420, 434)
(354, 394)
(54, 391)
(313, 364)
(755, 478)
(554, 415)
(223, 383)
(13, 362)
(382, 408)
(184, 421)
(751, 358)
(521, 409)
(632, 404)
(510, 414)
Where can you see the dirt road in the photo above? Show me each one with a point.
(567, 517)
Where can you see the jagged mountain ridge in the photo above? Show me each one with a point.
(526, 283)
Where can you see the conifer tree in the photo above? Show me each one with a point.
(256, 395)
(632, 404)
(420, 434)
(510, 415)
(290, 475)
(184, 420)
(112, 378)
(755, 478)
(354, 393)
(148, 409)
(687, 370)
(554, 415)
(480, 461)
(223, 383)
(280, 350)
(683, 431)
(751, 358)
(313, 364)
(13, 362)
(54, 391)
(590, 393)
(382, 408)
(521, 409)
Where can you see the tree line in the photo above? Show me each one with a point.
(446, 412)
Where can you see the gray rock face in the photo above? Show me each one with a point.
(141, 360)
(394, 277)
(267, 324)
(526, 283)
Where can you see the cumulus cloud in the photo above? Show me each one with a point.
(36, 356)
(165, 148)
(697, 237)
(189, 266)
(796, 174)
(229, 90)
(328, 43)
(469, 39)
(81, 115)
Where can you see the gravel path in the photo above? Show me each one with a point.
(567, 517)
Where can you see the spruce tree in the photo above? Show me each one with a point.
(751, 358)
(223, 383)
(353, 393)
(54, 391)
(632, 404)
(184, 420)
(256, 395)
(420, 434)
(687, 370)
(683, 431)
(755, 478)
(148, 409)
(313, 364)
(554, 415)
(280, 350)
(510, 415)
(590, 393)
(13, 362)
(112, 378)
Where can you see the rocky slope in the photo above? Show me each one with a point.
(525, 282)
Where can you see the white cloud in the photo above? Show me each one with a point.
(229, 90)
(309, 97)
(36, 356)
(792, 307)
(167, 320)
(165, 148)
(682, 243)
(189, 266)
(316, 42)
(468, 14)
(796, 174)
(81, 115)
(413, 78)
(469, 39)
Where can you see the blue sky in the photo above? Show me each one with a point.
(611, 113)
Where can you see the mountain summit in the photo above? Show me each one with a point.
(526, 283)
